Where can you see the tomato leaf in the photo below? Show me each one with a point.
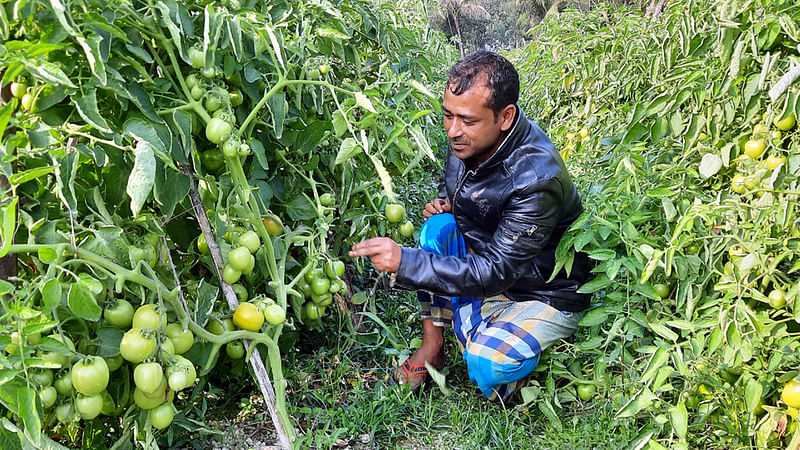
(86, 105)
(82, 303)
(108, 339)
(51, 294)
(277, 108)
(140, 182)
(30, 414)
(9, 211)
(170, 188)
(347, 149)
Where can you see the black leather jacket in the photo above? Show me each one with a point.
(512, 210)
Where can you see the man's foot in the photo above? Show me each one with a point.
(413, 371)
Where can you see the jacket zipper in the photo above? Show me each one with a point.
(459, 185)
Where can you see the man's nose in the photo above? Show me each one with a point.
(454, 129)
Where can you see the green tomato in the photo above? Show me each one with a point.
(239, 258)
(407, 229)
(27, 102)
(181, 374)
(234, 349)
(777, 299)
(395, 212)
(216, 326)
(19, 89)
(230, 148)
(41, 377)
(145, 401)
(251, 264)
(244, 149)
(202, 245)
(63, 385)
(113, 362)
(250, 240)
(90, 375)
(212, 160)
(119, 314)
(218, 130)
(192, 81)
(586, 391)
(334, 269)
(236, 97)
(312, 311)
(274, 314)
(231, 275)
(89, 406)
(65, 413)
(327, 199)
(182, 338)
(148, 377)
(136, 345)
(161, 416)
(197, 57)
(48, 396)
(312, 274)
(146, 317)
(197, 92)
(213, 102)
(209, 72)
(320, 285)
(662, 290)
(241, 292)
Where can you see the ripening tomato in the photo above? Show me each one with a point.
(248, 317)
(791, 394)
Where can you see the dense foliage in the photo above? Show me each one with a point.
(685, 146)
(130, 127)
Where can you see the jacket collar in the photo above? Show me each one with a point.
(518, 131)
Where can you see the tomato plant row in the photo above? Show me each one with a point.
(280, 114)
(691, 172)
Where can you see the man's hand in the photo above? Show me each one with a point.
(383, 252)
(437, 206)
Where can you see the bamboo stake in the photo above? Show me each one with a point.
(262, 376)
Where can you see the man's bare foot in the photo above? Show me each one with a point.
(413, 371)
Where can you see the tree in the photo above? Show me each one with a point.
(459, 18)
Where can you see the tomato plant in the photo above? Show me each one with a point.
(125, 115)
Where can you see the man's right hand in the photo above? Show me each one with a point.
(437, 206)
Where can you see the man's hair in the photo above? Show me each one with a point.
(502, 78)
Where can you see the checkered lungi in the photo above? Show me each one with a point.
(500, 339)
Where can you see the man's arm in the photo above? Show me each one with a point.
(526, 226)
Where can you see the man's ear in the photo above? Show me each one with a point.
(506, 117)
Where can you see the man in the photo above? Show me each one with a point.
(487, 247)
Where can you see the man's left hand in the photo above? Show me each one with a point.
(383, 252)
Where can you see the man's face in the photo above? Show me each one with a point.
(470, 123)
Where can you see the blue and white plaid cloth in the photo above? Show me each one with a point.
(500, 339)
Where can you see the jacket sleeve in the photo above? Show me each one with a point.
(526, 226)
(443, 188)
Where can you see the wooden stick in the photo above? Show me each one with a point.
(262, 376)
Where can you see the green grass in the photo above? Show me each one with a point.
(340, 391)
